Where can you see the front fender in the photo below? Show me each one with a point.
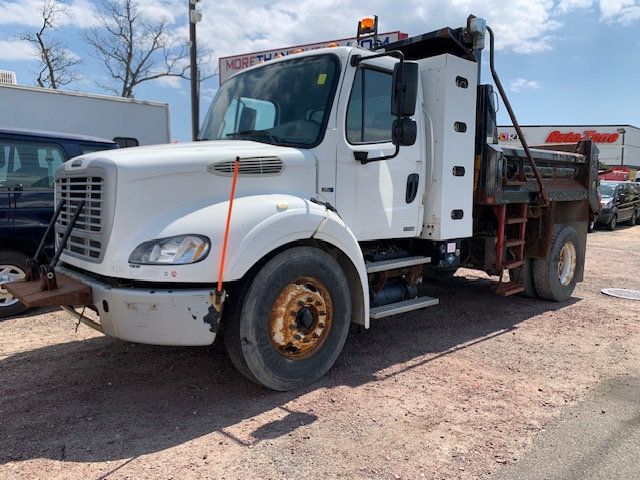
(288, 219)
(300, 220)
(335, 232)
(259, 225)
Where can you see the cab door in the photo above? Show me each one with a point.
(378, 199)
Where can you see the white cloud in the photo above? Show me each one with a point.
(625, 12)
(158, 9)
(522, 84)
(232, 26)
(80, 13)
(17, 50)
(568, 5)
(171, 82)
(84, 13)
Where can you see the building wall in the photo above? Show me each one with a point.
(608, 140)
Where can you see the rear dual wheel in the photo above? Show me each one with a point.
(290, 322)
(555, 277)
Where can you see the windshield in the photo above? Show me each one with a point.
(606, 190)
(284, 103)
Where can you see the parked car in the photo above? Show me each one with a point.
(620, 203)
(28, 161)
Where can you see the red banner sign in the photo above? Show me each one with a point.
(572, 137)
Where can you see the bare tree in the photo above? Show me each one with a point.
(133, 49)
(57, 61)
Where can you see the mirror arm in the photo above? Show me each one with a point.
(363, 157)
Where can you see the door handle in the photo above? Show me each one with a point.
(412, 187)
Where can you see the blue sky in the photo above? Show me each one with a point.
(563, 62)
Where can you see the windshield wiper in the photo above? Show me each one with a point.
(252, 133)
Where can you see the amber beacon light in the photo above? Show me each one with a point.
(368, 27)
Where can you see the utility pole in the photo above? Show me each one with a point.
(622, 131)
(194, 17)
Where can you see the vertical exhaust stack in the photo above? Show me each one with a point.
(476, 31)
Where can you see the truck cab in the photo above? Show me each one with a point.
(327, 187)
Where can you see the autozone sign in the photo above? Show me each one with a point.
(572, 137)
(228, 66)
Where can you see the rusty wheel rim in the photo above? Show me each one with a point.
(301, 318)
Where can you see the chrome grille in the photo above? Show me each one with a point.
(73, 190)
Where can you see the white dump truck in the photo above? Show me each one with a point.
(327, 188)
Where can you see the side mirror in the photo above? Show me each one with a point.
(405, 132)
(405, 89)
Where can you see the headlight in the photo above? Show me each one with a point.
(179, 250)
(607, 204)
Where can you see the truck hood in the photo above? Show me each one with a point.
(147, 193)
(141, 163)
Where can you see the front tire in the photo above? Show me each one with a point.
(291, 321)
(612, 223)
(13, 267)
(555, 276)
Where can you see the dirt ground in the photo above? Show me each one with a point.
(454, 391)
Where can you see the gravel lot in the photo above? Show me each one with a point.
(455, 391)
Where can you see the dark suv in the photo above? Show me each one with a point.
(620, 203)
(28, 160)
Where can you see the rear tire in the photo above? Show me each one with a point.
(13, 265)
(291, 322)
(555, 277)
(634, 218)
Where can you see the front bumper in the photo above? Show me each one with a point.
(152, 316)
(605, 216)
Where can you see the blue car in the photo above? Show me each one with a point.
(28, 161)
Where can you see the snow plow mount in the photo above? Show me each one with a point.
(43, 287)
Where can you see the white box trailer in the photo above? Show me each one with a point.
(127, 121)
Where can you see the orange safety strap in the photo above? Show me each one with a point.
(223, 254)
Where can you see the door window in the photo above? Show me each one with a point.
(246, 114)
(28, 165)
(369, 117)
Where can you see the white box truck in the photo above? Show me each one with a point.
(328, 187)
(127, 121)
